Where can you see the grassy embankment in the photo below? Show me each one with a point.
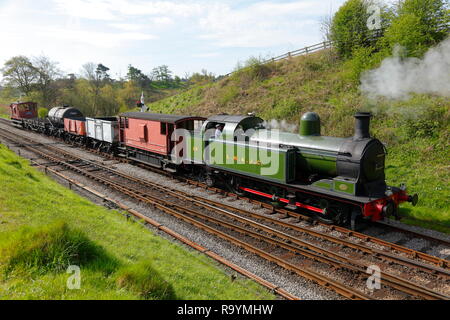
(4, 111)
(416, 131)
(45, 227)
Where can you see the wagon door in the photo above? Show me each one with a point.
(99, 130)
(170, 143)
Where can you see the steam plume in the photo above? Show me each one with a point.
(282, 125)
(398, 77)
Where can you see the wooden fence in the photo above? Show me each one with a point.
(373, 36)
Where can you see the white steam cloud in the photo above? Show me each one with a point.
(398, 77)
(281, 125)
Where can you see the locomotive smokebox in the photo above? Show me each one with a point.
(362, 125)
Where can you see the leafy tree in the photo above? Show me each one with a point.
(47, 72)
(35, 78)
(136, 75)
(128, 95)
(42, 112)
(102, 73)
(80, 95)
(201, 78)
(417, 25)
(97, 76)
(108, 103)
(162, 74)
(19, 72)
(349, 26)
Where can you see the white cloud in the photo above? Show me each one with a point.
(126, 26)
(162, 21)
(263, 24)
(94, 38)
(173, 32)
(88, 9)
(206, 55)
(115, 9)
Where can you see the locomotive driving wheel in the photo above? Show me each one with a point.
(236, 184)
(334, 213)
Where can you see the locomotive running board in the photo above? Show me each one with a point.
(297, 204)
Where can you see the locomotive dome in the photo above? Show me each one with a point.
(310, 124)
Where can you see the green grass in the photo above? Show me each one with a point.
(4, 111)
(416, 131)
(45, 227)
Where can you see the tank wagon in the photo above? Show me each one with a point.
(336, 179)
(57, 115)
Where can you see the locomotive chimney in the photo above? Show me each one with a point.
(362, 125)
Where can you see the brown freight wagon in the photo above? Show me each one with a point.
(75, 126)
(146, 137)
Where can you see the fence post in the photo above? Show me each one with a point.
(289, 55)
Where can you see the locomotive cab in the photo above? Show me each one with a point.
(234, 127)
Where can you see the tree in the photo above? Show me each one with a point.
(20, 73)
(162, 74)
(201, 78)
(136, 75)
(349, 27)
(102, 73)
(128, 95)
(80, 95)
(97, 76)
(417, 25)
(325, 27)
(108, 104)
(47, 72)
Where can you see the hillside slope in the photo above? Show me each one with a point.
(4, 111)
(416, 131)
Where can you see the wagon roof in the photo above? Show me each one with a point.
(169, 118)
(26, 102)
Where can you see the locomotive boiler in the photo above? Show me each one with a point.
(337, 178)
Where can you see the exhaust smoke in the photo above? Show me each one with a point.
(398, 77)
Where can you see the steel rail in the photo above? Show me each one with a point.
(276, 289)
(156, 203)
(200, 201)
(406, 288)
(350, 233)
(413, 253)
(392, 246)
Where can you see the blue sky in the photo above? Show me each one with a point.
(185, 35)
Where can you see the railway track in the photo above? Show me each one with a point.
(267, 240)
(294, 214)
